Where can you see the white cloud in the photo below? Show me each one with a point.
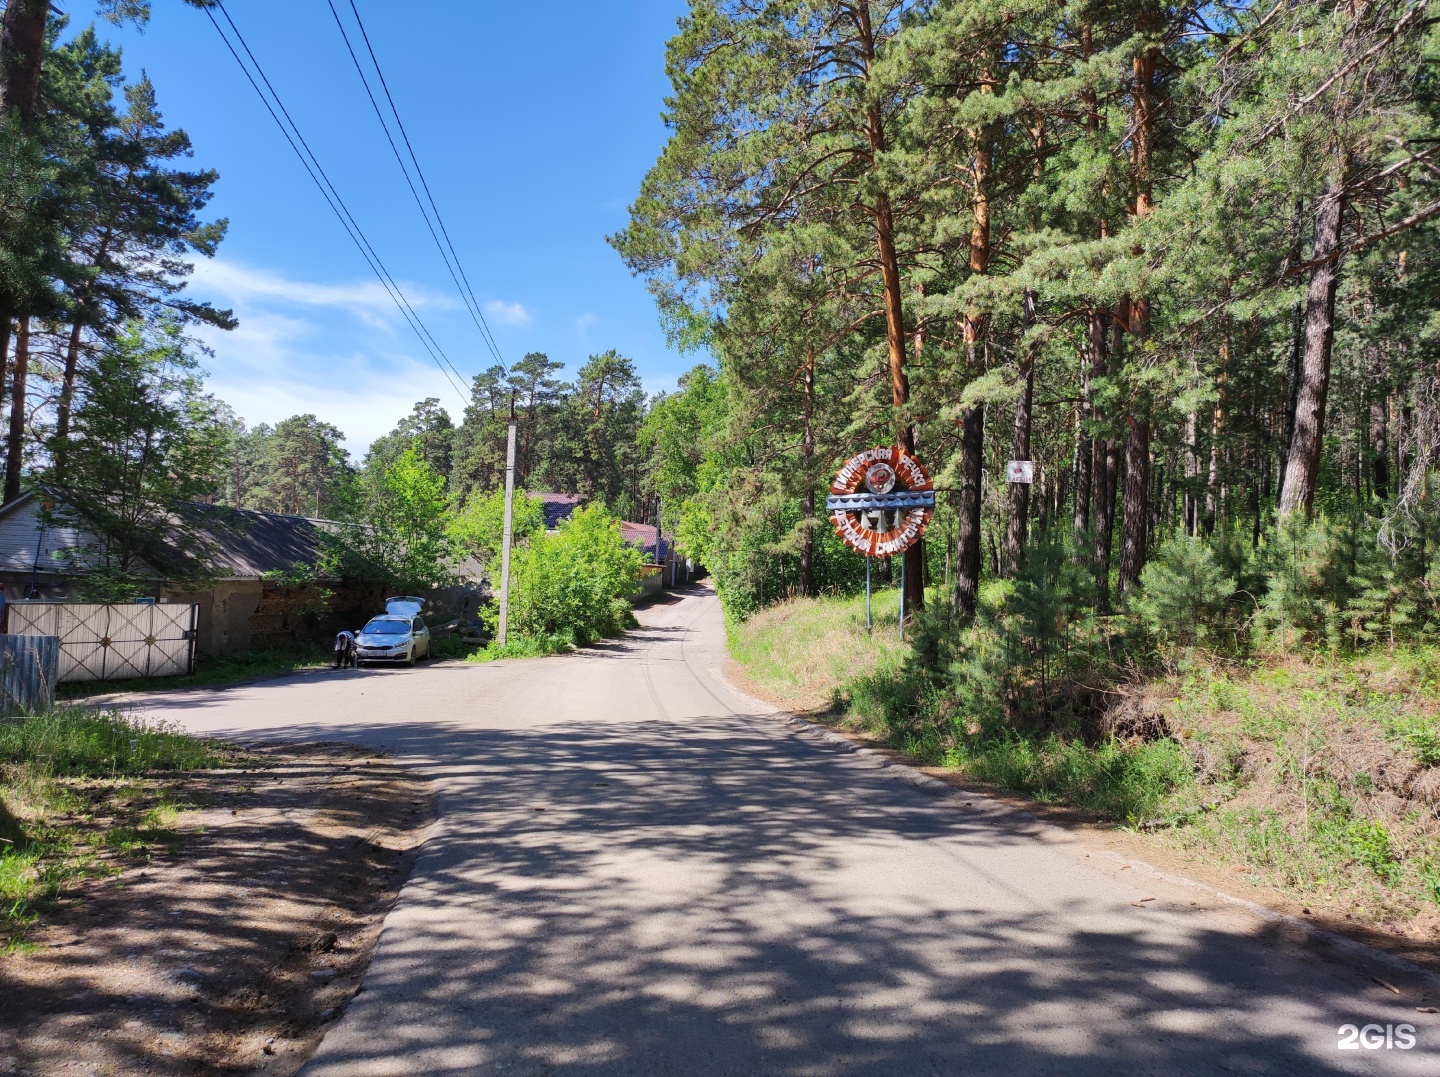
(314, 347)
(234, 282)
(507, 313)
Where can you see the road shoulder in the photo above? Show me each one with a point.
(1121, 850)
(236, 947)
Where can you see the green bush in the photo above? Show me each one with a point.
(1185, 593)
(574, 584)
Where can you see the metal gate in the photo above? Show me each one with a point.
(100, 642)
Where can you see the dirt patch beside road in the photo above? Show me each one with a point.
(233, 950)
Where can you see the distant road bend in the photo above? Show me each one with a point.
(638, 873)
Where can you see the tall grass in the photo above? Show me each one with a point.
(804, 650)
(1144, 783)
(71, 742)
(41, 756)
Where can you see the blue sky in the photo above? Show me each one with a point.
(534, 124)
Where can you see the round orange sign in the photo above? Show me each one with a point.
(881, 501)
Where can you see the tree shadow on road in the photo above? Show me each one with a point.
(721, 896)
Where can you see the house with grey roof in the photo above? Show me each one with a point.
(258, 578)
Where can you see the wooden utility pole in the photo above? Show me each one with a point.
(509, 527)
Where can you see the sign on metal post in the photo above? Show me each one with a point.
(1020, 471)
(881, 501)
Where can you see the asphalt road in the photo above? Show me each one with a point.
(638, 872)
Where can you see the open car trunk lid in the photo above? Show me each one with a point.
(404, 606)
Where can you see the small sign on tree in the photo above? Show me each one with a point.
(1020, 471)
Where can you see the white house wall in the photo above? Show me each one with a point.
(25, 549)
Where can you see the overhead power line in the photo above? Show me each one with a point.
(442, 239)
(317, 174)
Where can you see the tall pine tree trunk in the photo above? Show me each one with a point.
(1135, 517)
(67, 400)
(1018, 494)
(22, 50)
(15, 454)
(1302, 465)
(1134, 530)
(967, 530)
(1107, 473)
(972, 421)
(1089, 480)
(6, 332)
(1380, 448)
(1092, 367)
(1214, 493)
(1190, 497)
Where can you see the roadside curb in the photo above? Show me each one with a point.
(910, 775)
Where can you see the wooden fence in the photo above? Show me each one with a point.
(29, 671)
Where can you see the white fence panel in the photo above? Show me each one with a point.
(104, 642)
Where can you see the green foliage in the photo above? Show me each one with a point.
(146, 439)
(73, 741)
(398, 532)
(298, 468)
(525, 647)
(1419, 734)
(674, 436)
(479, 527)
(574, 584)
(428, 430)
(594, 449)
(1185, 594)
(1137, 783)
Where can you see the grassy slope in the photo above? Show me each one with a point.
(1320, 779)
(801, 653)
(80, 793)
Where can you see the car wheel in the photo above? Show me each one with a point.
(410, 656)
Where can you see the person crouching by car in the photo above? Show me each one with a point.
(346, 650)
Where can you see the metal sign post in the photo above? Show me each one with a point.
(509, 527)
(867, 594)
(902, 598)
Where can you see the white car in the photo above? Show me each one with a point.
(398, 635)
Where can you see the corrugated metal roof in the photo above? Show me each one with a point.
(236, 544)
(233, 543)
(23, 548)
(647, 538)
(246, 544)
(557, 507)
